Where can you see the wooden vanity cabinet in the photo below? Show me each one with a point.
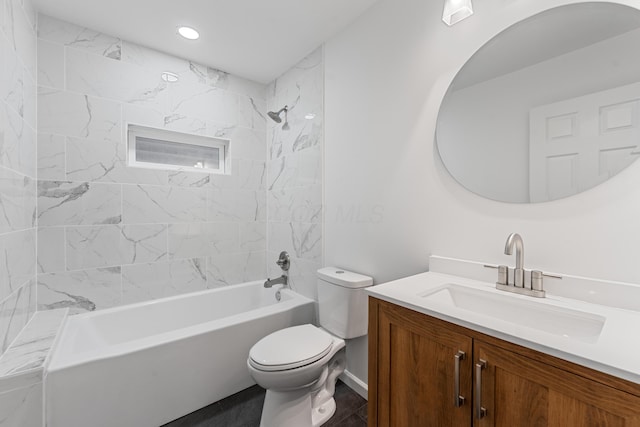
(412, 379)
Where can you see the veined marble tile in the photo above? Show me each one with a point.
(82, 116)
(51, 249)
(99, 76)
(246, 87)
(236, 205)
(252, 175)
(13, 79)
(229, 180)
(21, 34)
(158, 62)
(193, 240)
(232, 269)
(300, 240)
(110, 245)
(14, 315)
(303, 134)
(244, 175)
(51, 157)
(302, 274)
(189, 179)
(50, 64)
(31, 347)
(143, 282)
(18, 149)
(301, 169)
(245, 143)
(144, 243)
(78, 203)
(203, 102)
(89, 247)
(297, 75)
(17, 201)
(71, 35)
(252, 113)
(80, 291)
(30, 95)
(151, 59)
(143, 116)
(154, 204)
(180, 123)
(18, 260)
(299, 204)
(22, 407)
(253, 236)
(105, 161)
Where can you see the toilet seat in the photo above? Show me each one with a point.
(290, 348)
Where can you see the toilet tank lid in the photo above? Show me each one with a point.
(344, 278)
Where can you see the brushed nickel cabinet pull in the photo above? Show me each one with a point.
(459, 400)
(480, 411)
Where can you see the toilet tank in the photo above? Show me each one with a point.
(342, 302)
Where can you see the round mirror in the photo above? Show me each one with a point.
(548, 108)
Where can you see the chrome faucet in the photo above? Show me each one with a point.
(515, 239)
(524, 282)
(284, 262)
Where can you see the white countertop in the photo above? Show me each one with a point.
(616, 350)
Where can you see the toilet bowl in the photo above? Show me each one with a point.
(300, 381)
(299, 366)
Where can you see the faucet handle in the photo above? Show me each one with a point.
(284, 261)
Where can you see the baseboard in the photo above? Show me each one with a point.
(355, 384)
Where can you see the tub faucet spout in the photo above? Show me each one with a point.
(282, 280)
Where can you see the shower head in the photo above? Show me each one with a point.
(275, 116)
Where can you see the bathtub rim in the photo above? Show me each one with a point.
(59, 360)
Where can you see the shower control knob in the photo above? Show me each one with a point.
(283, 261)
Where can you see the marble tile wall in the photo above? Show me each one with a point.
(109, 234)
(17, 170)
(294, 172)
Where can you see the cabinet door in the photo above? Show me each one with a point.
(519, 391)
(416, 363)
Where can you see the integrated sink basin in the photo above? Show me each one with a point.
(560, 321)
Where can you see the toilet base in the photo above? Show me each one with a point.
(309, 406)
(293, 409)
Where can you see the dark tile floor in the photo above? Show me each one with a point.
(243, 410)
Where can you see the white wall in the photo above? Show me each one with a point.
(483, 129)
(385, 78)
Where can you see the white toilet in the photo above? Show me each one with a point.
(299, 366)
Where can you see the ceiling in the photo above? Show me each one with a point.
(255, 39)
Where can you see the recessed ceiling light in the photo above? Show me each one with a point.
(189, 33)
(310, 116)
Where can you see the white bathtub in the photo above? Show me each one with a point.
(149, 363)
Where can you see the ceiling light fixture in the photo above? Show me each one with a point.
(456, 10)
(189, 33)
(310, 116)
